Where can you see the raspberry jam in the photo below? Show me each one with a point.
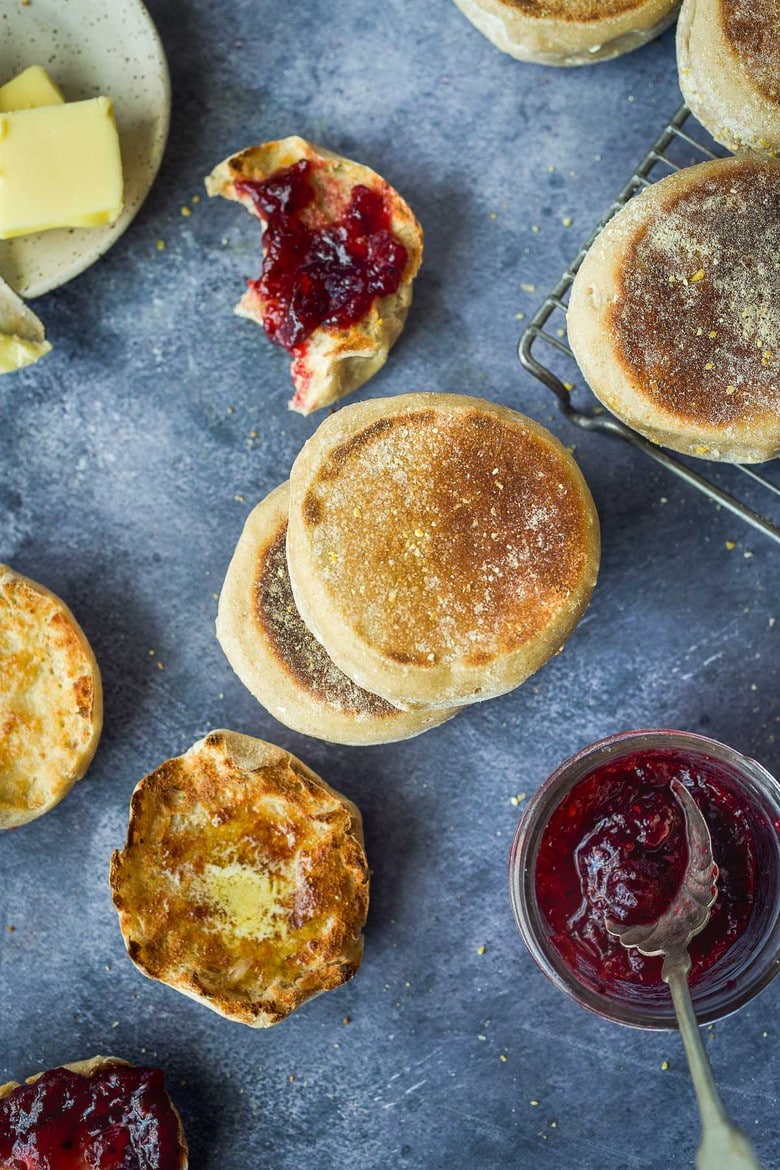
(320, 273)
(119, 1118)
(615, 847)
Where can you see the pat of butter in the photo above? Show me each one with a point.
(28, 90)
(22, 336)
(17, 352)
(60, 166)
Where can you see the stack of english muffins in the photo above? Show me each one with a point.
(429, 551)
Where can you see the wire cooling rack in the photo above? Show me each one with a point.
(544, 352)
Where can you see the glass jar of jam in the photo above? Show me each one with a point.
(604, 837)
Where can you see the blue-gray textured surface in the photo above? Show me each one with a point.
(130, 458)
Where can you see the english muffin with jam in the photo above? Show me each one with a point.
(51, 700)
(278, 658)
(341, 249)
(101, 1112)
(440, 547)
(728, 56)
(674, 315)
(243, 882)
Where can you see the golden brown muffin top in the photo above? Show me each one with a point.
(752, 28)
(697, 320)
(574, 10)
(448, 536)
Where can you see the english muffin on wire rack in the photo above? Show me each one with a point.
(243, 882)
(440, 547)
(569, 32)
(674, 316)
(280, 661)
(51, 700)
(728, 56)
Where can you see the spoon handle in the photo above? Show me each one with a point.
(723, 1146)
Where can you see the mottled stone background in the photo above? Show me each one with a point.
(130, 458)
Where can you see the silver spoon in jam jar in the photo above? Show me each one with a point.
(723, 1146)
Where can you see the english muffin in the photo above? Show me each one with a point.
(340, 251)
(440, 547)
(51, 700)
(280, 661)
(243, 882)
(728, 56)
(674, 316)
(569, 32)
(103, 1112)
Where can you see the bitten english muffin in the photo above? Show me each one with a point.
(728, 57)
(104, 1112)
(280, 661)
(569, 32)
(340, 251)
(243, 882)
(51, 700)
(674, 316)
(440, 547)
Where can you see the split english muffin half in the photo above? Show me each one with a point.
(243, 882)
(280, 661)
(91, 1113)
(336, 237)
(51, 700)
(569, 32)
(440, 547)
(674, 316)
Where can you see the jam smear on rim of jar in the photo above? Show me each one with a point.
(616, 848)
(324, 274)
(119, 1118)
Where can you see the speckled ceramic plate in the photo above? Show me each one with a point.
(89, 47)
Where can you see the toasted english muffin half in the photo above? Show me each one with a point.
(51, 700)
(131, 1107)
(728, 57)
(277, 657)
(243, 882)
(440, 547)
(330, 361)
(569, 32)
(674, 316)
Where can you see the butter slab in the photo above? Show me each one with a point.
(29, 89)
(60, 166)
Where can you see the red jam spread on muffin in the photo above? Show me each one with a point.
(119, 1118)
(320, 273)
(616, 848)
